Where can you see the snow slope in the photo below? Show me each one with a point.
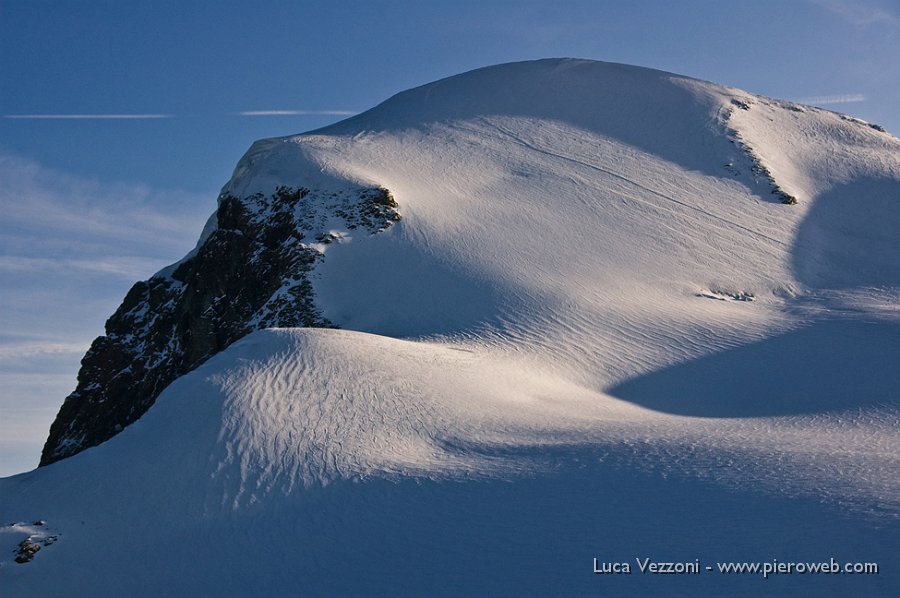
(595, 333)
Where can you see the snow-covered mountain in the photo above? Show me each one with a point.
(554, 311)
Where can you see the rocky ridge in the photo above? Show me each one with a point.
(251, 271)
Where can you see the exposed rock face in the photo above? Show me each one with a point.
(251, 272)
(758, 170)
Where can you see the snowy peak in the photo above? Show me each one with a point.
(555, 89)
(631, 104)
(696, 125)
(617, 290)
(580, 209)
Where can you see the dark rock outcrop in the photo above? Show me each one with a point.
(251, 272)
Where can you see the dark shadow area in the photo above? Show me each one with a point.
(531, 536)
(848, 240)
(827, 366)
(851, 237)
(393, 288)
(538, 536)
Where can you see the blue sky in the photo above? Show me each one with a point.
(119, 121)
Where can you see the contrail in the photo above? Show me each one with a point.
(86, 116)
(297, 112)
(158, 116)
(848, 98)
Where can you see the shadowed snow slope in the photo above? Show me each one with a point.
(595, 333)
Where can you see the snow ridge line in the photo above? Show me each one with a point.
(757, 168)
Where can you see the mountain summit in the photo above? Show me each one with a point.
(659, 169)
(622, 290)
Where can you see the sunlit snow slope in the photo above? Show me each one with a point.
(597, 332)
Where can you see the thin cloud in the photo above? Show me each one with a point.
(128, 268)
(862, 12)
(297, 113)
(87, 116)
(847, 98)
(70, 248)
(20, 428)
(41, 349)
(46, 205)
